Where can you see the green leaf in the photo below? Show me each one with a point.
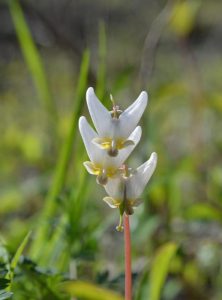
(160, 269)
(4, 283)
(89, 291)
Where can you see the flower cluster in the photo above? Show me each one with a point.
(116, 136)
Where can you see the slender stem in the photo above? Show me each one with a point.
(128, 272)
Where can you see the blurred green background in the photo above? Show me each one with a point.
(50, 52)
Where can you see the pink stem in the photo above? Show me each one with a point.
(128, 272)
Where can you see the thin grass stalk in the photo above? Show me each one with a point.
(50, 207)
(33, 59)
(128, 271)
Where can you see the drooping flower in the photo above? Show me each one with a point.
(101, 164)
(114, 128)
(109, 147)
(125, 191)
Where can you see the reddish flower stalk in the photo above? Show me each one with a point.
(128, 272)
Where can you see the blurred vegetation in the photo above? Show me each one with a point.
(58, 238)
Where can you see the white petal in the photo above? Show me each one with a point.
(128, 143)
(117, 161)
(125, 152)
(135, 136)
(111, 202)
(131, 116)
(90, 167)
(100, 115)
(88, 134)
(115, 187)
(100, 156)
(134, 184)
(137, 182)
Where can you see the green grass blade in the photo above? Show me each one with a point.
(101, 74)
(56, 246)
(32, 56)
(63, 161)
(160, 268)
(57, 251)
(89, 291)
(66, 151)
(16, 258)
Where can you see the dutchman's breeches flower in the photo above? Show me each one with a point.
(125, 191)
(114, 128)
(101, 163)
(109, 147)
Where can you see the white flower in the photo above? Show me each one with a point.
(109, 147)
(114, 127)
(124, 192)
(101, 164)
